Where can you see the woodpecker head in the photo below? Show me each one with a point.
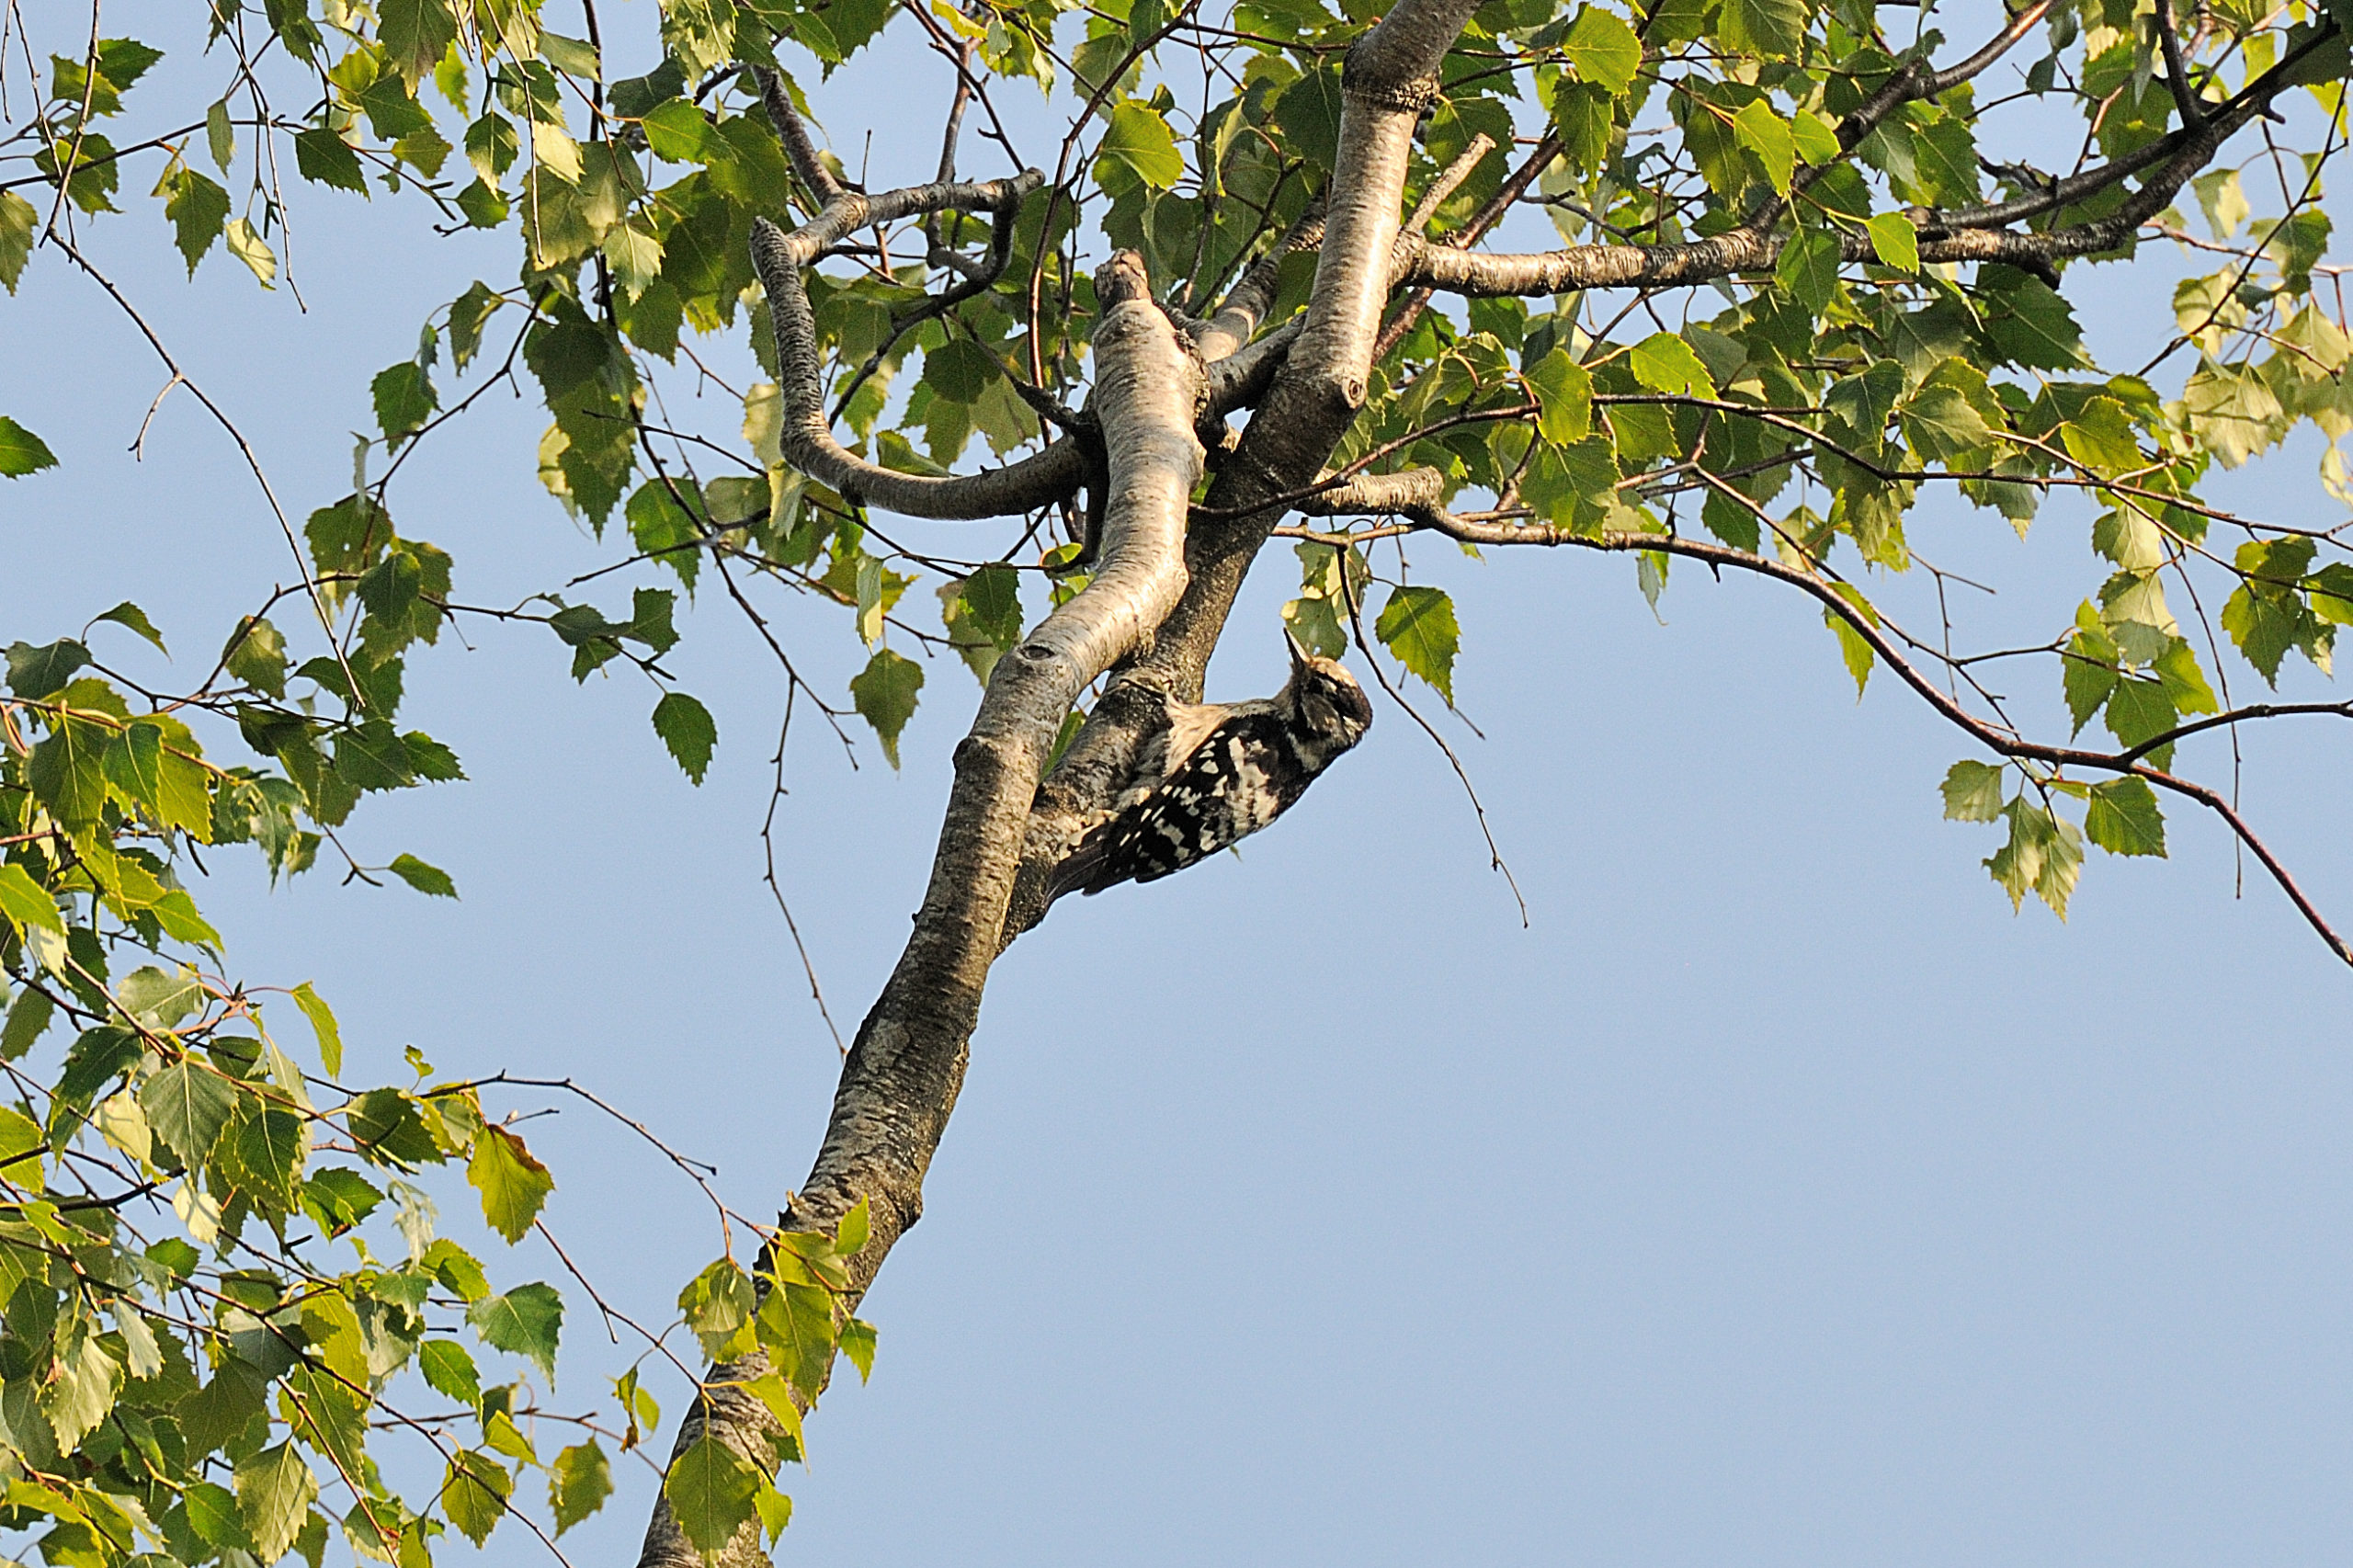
(1326, 707)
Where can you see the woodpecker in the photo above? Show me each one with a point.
(1217, 773)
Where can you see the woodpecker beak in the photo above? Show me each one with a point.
(1299, 655)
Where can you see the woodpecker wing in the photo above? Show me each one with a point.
(1245, 774)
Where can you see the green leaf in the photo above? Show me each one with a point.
(474, 1488)
(1565, 398)
(2122, 818)
(1418, 626)
(1138, 146)
(1896, 240)
(711, 1488)
(257, 656)
(491, 148)
(198, 208)
(2100, 437)
(524, 1322)
(578, 1482)
(687, 727)
(21, 451)
(796, 1327)
(23, 900)
(425, 878)
(133, 762)
(855, 1231)
(324, 158)
(961, 370)
(718, 1305)
(1768, 135)
(415, 34)
(35, 672)
(663, 522)
(212, 1514)
(2044, 856)
(1816, 138)
(456, 1268)
(340, 1199)
(1603, 49)
(884, 693)
(1808, 268)
(1854, 648)
(274, 1492)
(186, 1106)
(857, 1340)
(1973, 792)
(17, 220)
(26, 1019)
(322, 1025)
(774, 1510)
(404, 399)
(1316, 624)
(1664, 362)
(81, 1386)
(992, 600)
(574, 57)
(220, 135)
(1771, 28)
(22, 1144)
(268, 1145)
(450, 1371)
(130, 615)
(513, 1184)
(1942, 425)
(157, 999)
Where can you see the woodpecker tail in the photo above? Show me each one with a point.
(1081, 871)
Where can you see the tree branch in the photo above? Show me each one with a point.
(2185, 95)
(1867, 626)
(1245, 308)
(1969, 235)
(799, 150)
(907, 1065)
(807, 437)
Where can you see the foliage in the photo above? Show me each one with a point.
(1782, 415)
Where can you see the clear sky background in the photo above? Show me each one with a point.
(1777, 1197)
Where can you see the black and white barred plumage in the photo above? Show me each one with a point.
(1218, 773)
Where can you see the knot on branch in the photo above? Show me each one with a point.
(1121, 279)
(1406, 97)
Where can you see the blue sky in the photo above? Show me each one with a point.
(1777, 1197)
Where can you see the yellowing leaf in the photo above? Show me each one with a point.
(23, 902)
(1664, 362)
(1769, 136)
(253, 250)
(513, 1183)
(1896, 240)
(322, 1025)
